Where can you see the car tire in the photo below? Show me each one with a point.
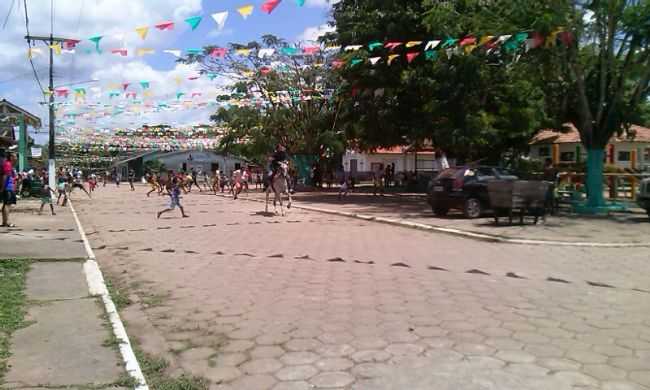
(472, 208)
(440, 211)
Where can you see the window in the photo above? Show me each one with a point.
(568, 156)
(624, 156)
(646, 154)
(544, 151)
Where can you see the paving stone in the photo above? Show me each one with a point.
(515, 356)
(586, 357)
(370, 356)
(641, 377)
(296, 373)
(443, 355)
(266, 352)
(603, 372)
(299, 345)
(620, 385)
(527, 369)
(485, 362)
(405, 349)
(230, 359)
(238, 346)
(544, 350)
(334, 350)
(272, 339)
(194, 354)
(370, 342)
(612, 350)
(298, 385)
(503, 343)
(332, 380)
(575, 378)
(474, 349)
(371, 370)
(261, 366)
(221, 374)
(559, 364)
(257, 382)
(334, 364)
(298, 358)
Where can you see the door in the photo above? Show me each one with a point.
(353, 167)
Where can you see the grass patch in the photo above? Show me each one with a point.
(154, 370)
(120, 297)
(12, 304)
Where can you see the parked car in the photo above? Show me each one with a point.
(465, 189)
(643, 197)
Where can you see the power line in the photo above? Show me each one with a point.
(11, 8)
(40, 86)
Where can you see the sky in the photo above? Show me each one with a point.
(116, 21)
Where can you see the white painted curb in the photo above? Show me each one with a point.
(97, 287)
(463, 233)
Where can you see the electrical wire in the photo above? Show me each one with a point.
(38, 81)
(11, 8)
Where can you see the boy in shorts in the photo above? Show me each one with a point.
(175, 195)
(46, 198)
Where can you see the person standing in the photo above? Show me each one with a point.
(46, 198)
(8, 187)
(131, 179)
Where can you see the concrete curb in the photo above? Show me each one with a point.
(464, 233)
(97, 287)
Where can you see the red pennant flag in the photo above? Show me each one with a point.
(193, 77)
(194, 94)
(165, 26)
(265, 70)
(470, 40)
(125, 85)
(218, 52)
(392, 45)
(411, 56)
(122, 52)
(310, 49)
(269, 5)
(70, 44)
(337, 64)
(536, 40)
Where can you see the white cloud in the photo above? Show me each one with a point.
(321, 3)
(313, 33)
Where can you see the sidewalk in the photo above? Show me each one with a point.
(620, 229)
(67, 342)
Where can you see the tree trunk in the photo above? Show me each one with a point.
(594, 181)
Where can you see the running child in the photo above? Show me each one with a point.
(46, 198)
(175, 195)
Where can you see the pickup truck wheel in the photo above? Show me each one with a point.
(473, 208)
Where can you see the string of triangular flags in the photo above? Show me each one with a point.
(69, 46)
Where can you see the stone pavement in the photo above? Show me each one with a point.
(252, 301)
(627, 228)
(64, 341)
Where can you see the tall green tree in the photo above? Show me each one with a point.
(475, 106)
(283, 96)
(598, 79)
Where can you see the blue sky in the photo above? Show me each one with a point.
(81, 19)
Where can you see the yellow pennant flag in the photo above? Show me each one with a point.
(142, 51)
(551, 40)
(413, 43)
(178, 80)
(392, 58)
(32, 51)
(57, 48)
(485, 40)
(245, 11)
(248, 74)
(147, 93)
(243, 52)
(142, 31)
(469, 48)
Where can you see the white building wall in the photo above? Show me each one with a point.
(403, 162)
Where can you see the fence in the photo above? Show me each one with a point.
(619, 186)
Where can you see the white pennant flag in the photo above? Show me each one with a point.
(220, 19)
(353, 47)
(374, 60)
(503, 38)
(176, 53)
(431, 45)
(265, 53)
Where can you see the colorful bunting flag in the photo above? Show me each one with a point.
(289, 51)
(167, 25)
(245, 11)
(95, 39)
(411, 44)
(220, 19)
(374, 60)
(194, 21)
(243, 52)
(144, 51)
(431, 45)
(469, 40)
(392, 45)
(122, 52)
(194, 51)
(353, 47)
(374, 45)
(144, 84)
(32, 51)
(142, 32)
(176, 53)
(265, 53)
(411, 56)
(356, 61)
(125, 86)
(536, 40)
(300, 3)
(70, 43)
(269, 5)
(56, 47)
(430, 55)
(392, 58)
(310, 50)
(218, 52)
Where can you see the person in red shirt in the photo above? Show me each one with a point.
(8, 187)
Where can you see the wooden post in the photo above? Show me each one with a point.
(633, 187)
(633, 159)
(555, 155)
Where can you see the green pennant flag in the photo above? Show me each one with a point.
(194, 51)
(194, 21)
(375, 45)
(212, 76)
(96, 40)
(179, 95)
(430, 55)
(144, 84)
(289, 51)
(300, 3)
(356, 61)
(449, 43)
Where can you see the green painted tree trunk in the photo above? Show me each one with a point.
(594, 182)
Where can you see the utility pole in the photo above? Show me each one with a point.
(49, 41)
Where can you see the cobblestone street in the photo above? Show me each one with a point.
(310, 301)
